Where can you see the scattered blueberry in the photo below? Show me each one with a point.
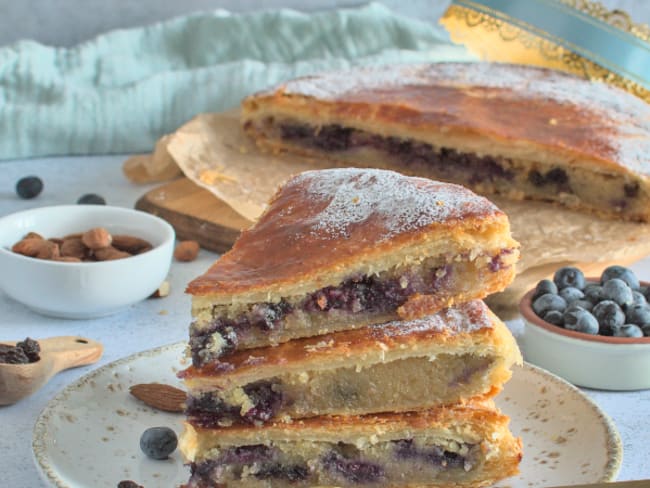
(586, 304)
(638, 314)
(128, 484)
(549, 302)
(618, 291)
(569, 276)
(609, 316)
(628, 330)
(622, 273)
(158, 442)
(593, 293)
(554, 317)
(571, 294)
(91, 199)
(544, 287)
(29, 187)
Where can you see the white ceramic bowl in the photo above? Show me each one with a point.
(83, 290)
(593, 361)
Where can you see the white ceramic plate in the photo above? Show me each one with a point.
(88, 436)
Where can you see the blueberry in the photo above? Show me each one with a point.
(622, 273)
(548, 302)
(544, 287)
(638, 298)
(585, 323)
(593, 293)
(586, 304)
(609, 316)
(628, 330)
(353, 470)
(29, 187)
(569, 276)
(646, 330)
(158, 442)
(554, 317)
(571, 294)
(91, 199)
(618, 291)
(571, 314)
(638, 314)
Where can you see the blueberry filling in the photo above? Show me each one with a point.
(291, 473)
(353, 470)
(446, 161)
(209, 411)
(555, 176)
(631, 190)
(406, 449)
(360, 294)
(267, 461)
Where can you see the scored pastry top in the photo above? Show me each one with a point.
(326, 219)
(405, 336)
(509, 102)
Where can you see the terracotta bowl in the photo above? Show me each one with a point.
(593, 361)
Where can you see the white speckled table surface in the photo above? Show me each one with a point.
(156, 322)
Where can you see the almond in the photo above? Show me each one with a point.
(186, 251)
(33, 235)
(50, 250)
(97, 238)
(162, 291)
(109, 254)
(131, 244)
(31, 246)
(73, 247)
(160, 396)
(67, 259)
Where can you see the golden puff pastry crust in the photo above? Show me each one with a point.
(459, 446)
(344, 248)
(520, 131)
(454, 356)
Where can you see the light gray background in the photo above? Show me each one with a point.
(68, 22)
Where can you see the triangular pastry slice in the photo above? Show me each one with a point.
(451, 357)
(344, 248)
(519, 131)
(461, 447)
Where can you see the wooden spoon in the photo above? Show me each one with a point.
(57, 353)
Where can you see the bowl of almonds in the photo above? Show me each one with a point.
(83, 261)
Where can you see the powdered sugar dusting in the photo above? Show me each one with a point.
(395, 202)
(465, 318)
(625, 116)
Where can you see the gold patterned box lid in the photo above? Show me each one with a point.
(578, 36)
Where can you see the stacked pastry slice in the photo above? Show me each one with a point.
(342, 342)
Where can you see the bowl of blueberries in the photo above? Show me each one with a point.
(594, 332)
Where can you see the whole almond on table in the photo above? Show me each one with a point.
(186, 251)
(97, 238)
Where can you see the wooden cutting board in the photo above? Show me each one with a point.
(195, 213)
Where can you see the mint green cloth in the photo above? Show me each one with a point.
(121, 91)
